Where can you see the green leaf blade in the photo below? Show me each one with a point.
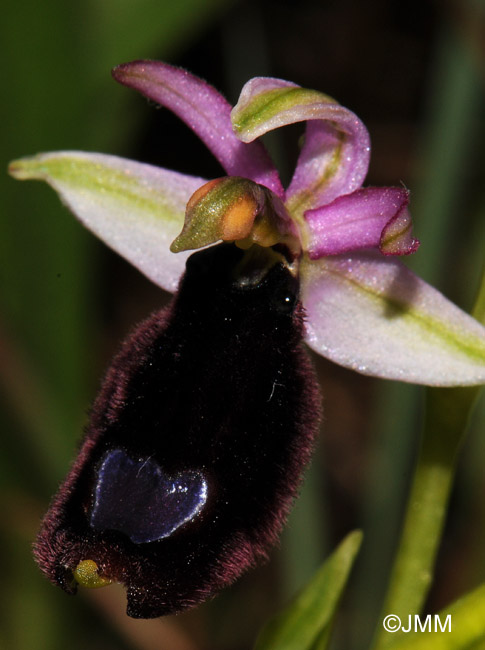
(467, 616)
(306, 623)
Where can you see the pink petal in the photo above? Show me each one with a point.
(335, 156)
(373, 315)
(370, 217)
(206, 112)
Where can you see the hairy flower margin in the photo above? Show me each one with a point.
(364, 309)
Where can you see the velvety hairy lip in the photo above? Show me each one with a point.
(215, 392)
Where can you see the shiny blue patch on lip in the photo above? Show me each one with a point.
(137, 498)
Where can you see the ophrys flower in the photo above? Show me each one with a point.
(206, 419)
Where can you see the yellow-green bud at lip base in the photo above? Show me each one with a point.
(235, 209)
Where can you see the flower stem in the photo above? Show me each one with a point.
(446, 420)
(445, 424)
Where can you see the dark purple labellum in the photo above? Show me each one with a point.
(197, 442)
(138, 499)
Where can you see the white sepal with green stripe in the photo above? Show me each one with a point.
(136, 209)
(373, 315)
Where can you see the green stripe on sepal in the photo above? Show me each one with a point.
(136, 209)
(264, 107)
(85, 176)
(372, 314)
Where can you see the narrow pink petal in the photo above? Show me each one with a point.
(367, 218)
(372, 314)
(335, 156)
(396, 237)
(206, 112)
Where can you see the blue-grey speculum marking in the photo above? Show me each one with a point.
(137, 498)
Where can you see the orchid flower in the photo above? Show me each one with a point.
(206, 419)
(364, 310)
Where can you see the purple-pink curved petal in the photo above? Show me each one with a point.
(334, 159)
(368, 218)
(335, 155)
(206, 112)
